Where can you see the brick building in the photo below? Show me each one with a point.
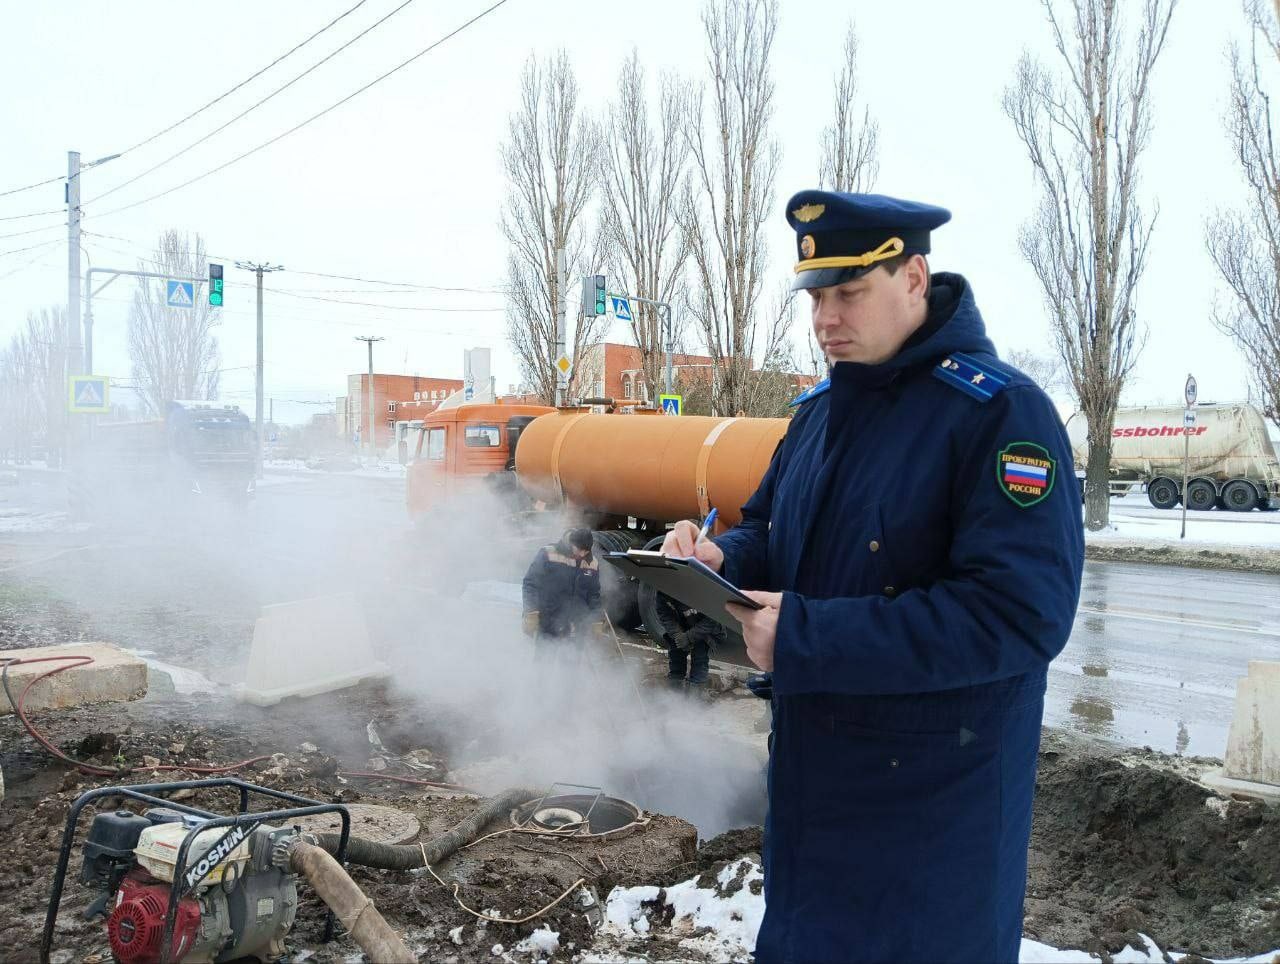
(614, 370)
(393, 395)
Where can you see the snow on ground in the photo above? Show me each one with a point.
(1134, 519)
(393, 471)
(17, 520)
(719, 924)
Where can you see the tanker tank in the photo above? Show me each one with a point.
(650, 468)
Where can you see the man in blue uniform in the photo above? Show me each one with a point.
(917, 547)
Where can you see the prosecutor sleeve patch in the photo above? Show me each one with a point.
(1025, 472)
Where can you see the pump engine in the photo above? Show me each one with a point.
(238, 897)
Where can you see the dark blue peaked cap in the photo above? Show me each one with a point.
(840, 236)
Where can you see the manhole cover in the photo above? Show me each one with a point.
(369, 822)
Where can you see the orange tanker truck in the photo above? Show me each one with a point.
(627, 476)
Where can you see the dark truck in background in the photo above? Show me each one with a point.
(199, 454)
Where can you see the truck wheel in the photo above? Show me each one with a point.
(1162, 493)
(1201, 495)
(1239, 496)
(617, 592)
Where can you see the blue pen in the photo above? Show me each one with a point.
(706, 526)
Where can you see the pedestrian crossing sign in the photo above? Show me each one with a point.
(88, 394)
(671, 404)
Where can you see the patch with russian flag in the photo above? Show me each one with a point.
(1025, 472)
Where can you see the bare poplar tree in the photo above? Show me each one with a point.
(551, 161)
(1245, 244)
(850, 146)
(1084, 131)
(729, 196)
(33, 386)
(1044, 370)
(642, 171)
(173, 350)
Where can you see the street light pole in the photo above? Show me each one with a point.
(372, 444)
(259, 269)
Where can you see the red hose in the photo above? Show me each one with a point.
(88, 768)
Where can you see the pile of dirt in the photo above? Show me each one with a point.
(1125, 844)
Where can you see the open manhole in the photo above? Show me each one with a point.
(384, 825)
(578, 814)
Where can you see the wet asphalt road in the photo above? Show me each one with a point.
(1153, 660)
(1157, 651)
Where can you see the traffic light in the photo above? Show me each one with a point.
(593, 299)
(215, 285)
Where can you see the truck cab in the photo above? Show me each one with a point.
(459, 448)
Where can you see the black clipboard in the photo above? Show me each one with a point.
(686, 580)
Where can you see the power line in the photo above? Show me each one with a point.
(18, 234)
(199, 110)
(33, 214)
(312, 118)
(399, 284)
(31, 247)
(370, 304)
(251, 108)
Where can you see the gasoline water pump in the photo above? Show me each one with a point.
(221, 887)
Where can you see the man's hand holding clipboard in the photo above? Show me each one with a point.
(759, 626)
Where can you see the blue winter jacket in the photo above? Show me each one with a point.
(922, 520)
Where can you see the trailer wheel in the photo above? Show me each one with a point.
(1201, 495)
(1162, 493)
(1239, 496)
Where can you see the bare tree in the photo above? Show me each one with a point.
(850, 146)
(1044, 370)
(1245, 244)
(173, 350)
(551, 161)
(33, 387)
(729, 195)
(1087, 243)
(643, 168)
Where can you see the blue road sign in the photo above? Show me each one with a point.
(179, 294)
(87, 394)
(671, 404)
(621, 308)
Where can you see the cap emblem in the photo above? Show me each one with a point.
(808, 212)
(807, 246)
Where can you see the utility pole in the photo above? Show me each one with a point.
(259, 269)
(75, 359)
(369, 340)
(561, 307)
(75, 347)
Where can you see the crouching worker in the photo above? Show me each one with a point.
(689, 637)
(562, 593)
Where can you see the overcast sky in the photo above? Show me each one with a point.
(403, 182)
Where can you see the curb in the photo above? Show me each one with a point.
(1225, 558)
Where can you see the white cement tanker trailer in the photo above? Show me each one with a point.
(1233, 463)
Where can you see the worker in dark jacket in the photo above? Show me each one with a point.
(561, 590)
(689, 637)
(916, 545)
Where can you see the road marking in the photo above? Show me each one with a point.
(1177, 620)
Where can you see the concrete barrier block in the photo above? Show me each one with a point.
(1253, 745)
(308, 647)
(113, 676)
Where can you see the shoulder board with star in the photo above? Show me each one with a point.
(975, 377)
(812, 393)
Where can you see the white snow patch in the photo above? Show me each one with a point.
(1134, 519)
(542, 941)
(23, 520)
(185, 680)
(1218, 805)
(455, 935)
(732, 922)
